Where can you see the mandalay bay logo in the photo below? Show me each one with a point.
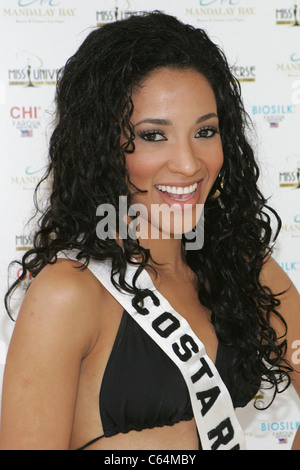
(290, 66)
(37, 11)
(221, 10)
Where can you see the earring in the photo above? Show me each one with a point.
(218, 192)
(215, 195)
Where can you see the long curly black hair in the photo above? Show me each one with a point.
(87, 168)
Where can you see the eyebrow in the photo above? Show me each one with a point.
(206, 117)
(167, 122)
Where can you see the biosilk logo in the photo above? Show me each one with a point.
(274, 114)
(280, 426)
(273, 109)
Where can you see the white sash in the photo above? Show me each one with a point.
(213, 410)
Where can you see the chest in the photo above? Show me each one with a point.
(183, 297)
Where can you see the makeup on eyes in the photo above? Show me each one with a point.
(152, 135)
(157, 135)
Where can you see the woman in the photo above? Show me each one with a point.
(147, 110)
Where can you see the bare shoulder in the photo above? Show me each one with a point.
(64, 297)
(56, 328)
(68, 276)
(274, 277)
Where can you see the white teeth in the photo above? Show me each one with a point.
(178, 189)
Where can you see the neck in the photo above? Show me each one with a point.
(168, 253)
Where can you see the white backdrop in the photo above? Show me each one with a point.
(261, 38)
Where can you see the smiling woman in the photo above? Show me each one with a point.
(143, 343)
(178, 149)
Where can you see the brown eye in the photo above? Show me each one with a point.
(207, 132)
(152, 136)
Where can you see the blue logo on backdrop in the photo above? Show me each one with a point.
(274, 114)
(280, 426)
(274, 109)
(208, 3)
(295, 58)
(27, 3)
(290, 266)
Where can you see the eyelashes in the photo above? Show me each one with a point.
(152, 135)
(208, 132)
(157, 135)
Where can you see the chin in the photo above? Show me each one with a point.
(173, 222)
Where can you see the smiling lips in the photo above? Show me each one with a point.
(178, 193)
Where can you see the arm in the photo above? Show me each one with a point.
(274, 277)
(52, 334)
(296, 444)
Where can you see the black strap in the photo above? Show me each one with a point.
(91, 442)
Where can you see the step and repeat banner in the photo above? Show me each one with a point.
(261, 39)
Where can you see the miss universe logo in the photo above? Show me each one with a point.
(30, 72)
(288, 16)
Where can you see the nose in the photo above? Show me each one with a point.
(184, 159)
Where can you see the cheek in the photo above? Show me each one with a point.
(216, 162)
(141, 170)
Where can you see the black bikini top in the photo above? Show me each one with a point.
(142, 388)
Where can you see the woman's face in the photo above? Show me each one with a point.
(178, 150)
